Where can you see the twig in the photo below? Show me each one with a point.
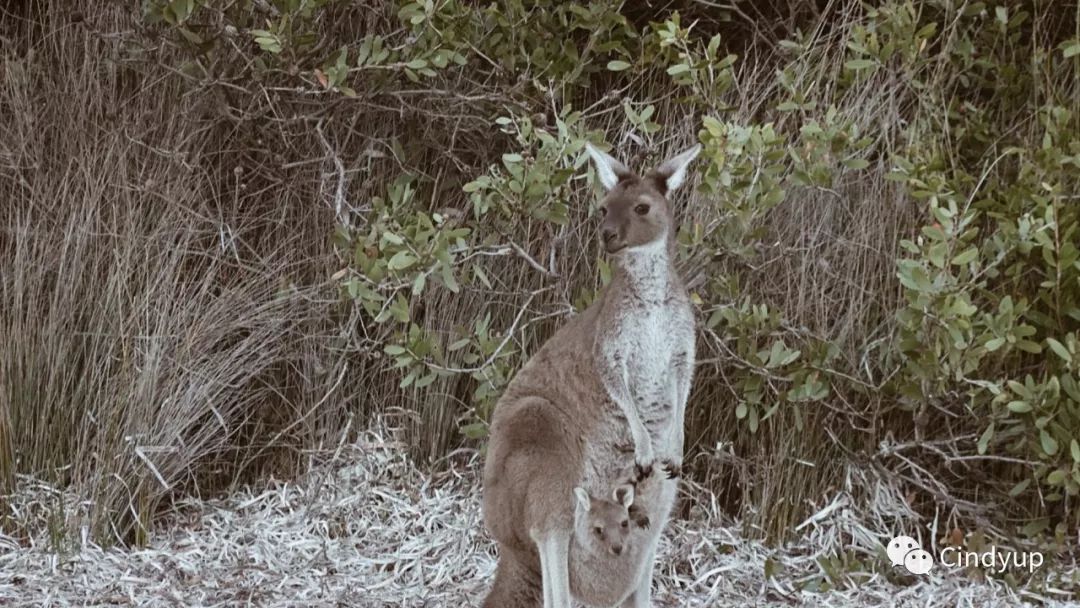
(339, 192)
(536, 265)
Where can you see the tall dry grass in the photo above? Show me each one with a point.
(167, 320)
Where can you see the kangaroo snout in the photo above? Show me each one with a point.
(612, 241)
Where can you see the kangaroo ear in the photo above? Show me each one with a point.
(624, 495)
(582, 498)
(609, 169)
(672, 173)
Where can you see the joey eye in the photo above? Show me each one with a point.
(598, 530)
(603, 211)
(641, 209)
(625, 523)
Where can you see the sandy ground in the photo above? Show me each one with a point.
(367, 528)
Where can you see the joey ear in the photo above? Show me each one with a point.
(608, 169)
(672, 173)
(582, 498)
(624, 495)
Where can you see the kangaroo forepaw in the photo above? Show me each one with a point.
(638, 516)
(672, 468)
(642, 472)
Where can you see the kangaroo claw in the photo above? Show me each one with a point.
(639, 517)
(673, 469)
(642, 472)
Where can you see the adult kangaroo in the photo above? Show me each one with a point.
(602, 401)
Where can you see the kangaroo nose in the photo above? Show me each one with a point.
(617, 549)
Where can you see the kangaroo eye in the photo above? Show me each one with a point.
(599, 531)
(641, 209)
(625, 523)
(603, 211)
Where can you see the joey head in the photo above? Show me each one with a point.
(610, 536)
(603, 526)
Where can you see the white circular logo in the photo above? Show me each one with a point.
(906, 551)
(918, 561)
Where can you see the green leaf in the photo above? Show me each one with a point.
(1035, 527)
(1020, 389)
(460, 344)
(984, 440)
(191, 36)
(475, 430)
(401, 260)
(1049, 444)
(913, 276)
(448, 278)
(1056, 477)
(679, 68)
(617, 65)
(740, 411)
(419, 283)
(859, 64)
(966, 257)
(1019, 407)
(426, 380)
(1029, 346)
(1071, 48)
(1059, 349)
(1019, 488)
(1074, 449)
(772, 568)
(480, 274)
(363, 52)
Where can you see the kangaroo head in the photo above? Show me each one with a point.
(603, 526)
(635, 211)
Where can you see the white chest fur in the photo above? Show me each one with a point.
(650, 336)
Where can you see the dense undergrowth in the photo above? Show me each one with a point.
(229, 228)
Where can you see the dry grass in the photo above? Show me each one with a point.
(161, 338)
(366, 528)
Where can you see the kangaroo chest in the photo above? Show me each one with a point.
(647, 340)
(654, 342)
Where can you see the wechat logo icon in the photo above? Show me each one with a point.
(906, 551)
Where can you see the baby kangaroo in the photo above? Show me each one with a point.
(606, 394)
(609, 538)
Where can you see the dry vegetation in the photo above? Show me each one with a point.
(167, 321)
(198, 289)
(366, 529)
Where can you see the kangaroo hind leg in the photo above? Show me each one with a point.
(554, 550)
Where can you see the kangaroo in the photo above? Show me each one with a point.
(603, 396)
(605, 550)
